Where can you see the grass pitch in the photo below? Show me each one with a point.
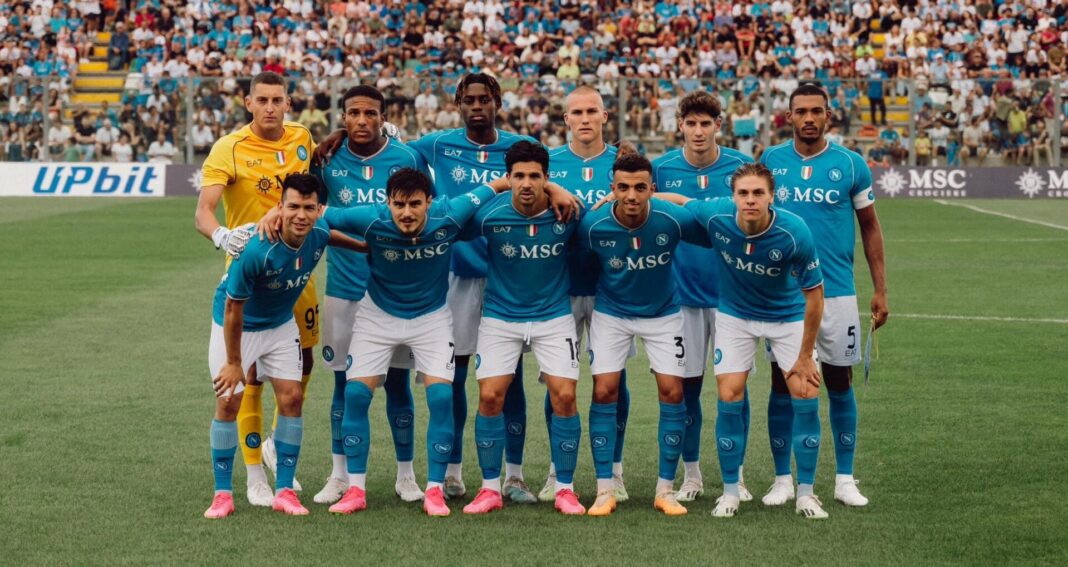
(106, 404)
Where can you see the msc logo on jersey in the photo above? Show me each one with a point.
(648, 262)
(616, 263)
(302, 153)
(391, 255)
(345, 196)
(264, 184)
(662, 239)
(775, 255)
(808, 195)
(273, 285)
(834, 174)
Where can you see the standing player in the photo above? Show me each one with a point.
(702, 170)
(410, 243)
(252, 323)
(461, 160)
(772, 288)
(584, 167)
(357, 176)
(634, 241)
(526, 304)
(824, 184)
(245, 170)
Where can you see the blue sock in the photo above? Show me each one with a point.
(730, 439)
(439, 432)
(548, 413)
(691, 443)
(400, 411)
(806, 438)
(844, 427)
(515, 418)
(356, 427)
(780, 430)
(622, 413)
(287, 437)
(672, 428)
(223, 448)
(602, 437)
(745, 419)
(489, 440)
(459, 412)
(566, 432)
(337, 412)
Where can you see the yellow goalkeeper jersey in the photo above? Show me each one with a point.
(252, 169)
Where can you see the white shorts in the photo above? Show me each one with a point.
(611, 339)
(698, 334)
(737, 341)
(465, 302)
(838, 342)
(500, 343)
(378, 335)
(275, 352)
(338, 323)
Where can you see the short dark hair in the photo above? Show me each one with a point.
(364, 91)
(306, 184)
(632, 163)
(753, 170)
(479, 79)
(407, 181)
(523, 151)
(809, 89)
(700, 102)
(267, 78)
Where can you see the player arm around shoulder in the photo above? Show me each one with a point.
(565, 205)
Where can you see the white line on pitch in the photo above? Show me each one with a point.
(979, 318)
(1000, 214)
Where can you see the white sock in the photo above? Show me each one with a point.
(784, 479)
(493, 484)
(693, 470)
(217, 492)
(513, 470)
(359, 480)
(431, 484)
(804, 490)
(604, 484)
(552, 469)
(617, 468)
(664, 485)
(840, 478)
(741, 478)
(456, 470)
(564, 486)
(340, 469)
(730, 489)
(255, 474)
(405, 469)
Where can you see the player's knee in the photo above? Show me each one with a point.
(563, 403)
(605, 393)
(671, 392)
(290, 401)
(227, 410)
(837, 378)
(490, 402)
(732, 392)
(778, 380)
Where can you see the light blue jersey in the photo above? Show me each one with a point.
(636, 274)
(409, 276)
(269, 277)
(459, 166)
(761, 276)
(696, 271)
(352, 180)
(590, 180)
(528, 270)
(825, 190)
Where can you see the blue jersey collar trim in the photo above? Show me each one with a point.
(648, 215)
(719, 155)
(813, 156)
(589, 159)
(774, 217)
(365, 158)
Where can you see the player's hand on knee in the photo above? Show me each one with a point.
(880, 310)
(225, 384)
(270, 225)
(807, 373)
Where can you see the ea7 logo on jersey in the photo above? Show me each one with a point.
(723, 238)
(557, 174)
(453, 153)
(673, 184)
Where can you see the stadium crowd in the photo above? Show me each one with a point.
(974, 78)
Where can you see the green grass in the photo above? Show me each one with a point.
(105, 409)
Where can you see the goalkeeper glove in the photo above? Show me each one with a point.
(232, 242)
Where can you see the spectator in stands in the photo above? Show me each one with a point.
(972, 139)
(879, 154)
(923, 148)
(122, 151)
(118, 48)
(106, 137)
(161, 150)
(59, 133)
(875, 95)
(85, 136)
(202, 137)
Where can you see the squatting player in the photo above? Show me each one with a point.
(526, 305)
(701, 169)
(252, 323)
(245, 169)
(771, 288)
(357, 175)
(584, 167)
(826, 184)
(634, 241)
